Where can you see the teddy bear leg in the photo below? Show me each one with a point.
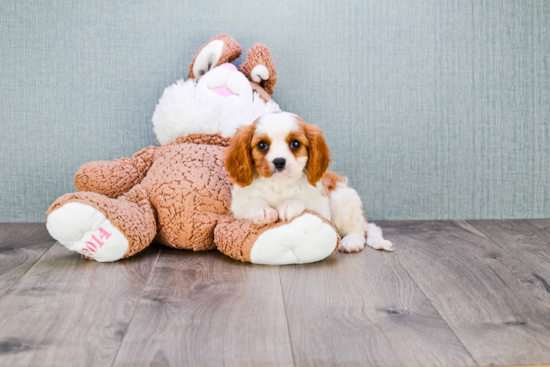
(306, 239)
(101, 228)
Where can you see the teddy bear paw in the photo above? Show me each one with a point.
(304, 240)
(84, 229)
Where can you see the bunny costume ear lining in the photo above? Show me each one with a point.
(218, 50)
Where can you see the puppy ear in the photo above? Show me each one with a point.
(216, 51)
(260, 68)
(318, 154)
(238, 156)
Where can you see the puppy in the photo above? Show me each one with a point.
(279, 167)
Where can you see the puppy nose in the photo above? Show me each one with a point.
(279, 163)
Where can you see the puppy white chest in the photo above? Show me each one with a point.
(274, 192)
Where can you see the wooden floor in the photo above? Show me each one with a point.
(460, 293)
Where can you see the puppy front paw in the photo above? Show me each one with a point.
(290, 209)
(264, 216)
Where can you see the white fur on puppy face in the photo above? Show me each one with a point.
(187, 107)
(277, 127)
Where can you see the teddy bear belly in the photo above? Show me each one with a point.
(189, 190)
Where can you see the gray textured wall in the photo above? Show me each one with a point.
(434, 109)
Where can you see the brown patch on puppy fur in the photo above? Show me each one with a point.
(263, 168)
(238, 159)
(300, 136)
(318, 152)
(329, 181)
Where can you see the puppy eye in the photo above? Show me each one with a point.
(262, 145)
(295, 144)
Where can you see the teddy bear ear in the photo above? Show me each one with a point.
(260, 68)
(218, 50)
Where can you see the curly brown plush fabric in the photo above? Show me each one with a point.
(207, 139)
(231, 50)
(260, 55)
(181, 197)
(113, 178)
(190, 190)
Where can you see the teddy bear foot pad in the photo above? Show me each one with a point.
(305, 240)
(86, 230)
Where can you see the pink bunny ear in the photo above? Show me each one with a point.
(260, 68)
(218, 50)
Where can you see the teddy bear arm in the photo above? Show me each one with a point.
(307, 238)
(114, 178)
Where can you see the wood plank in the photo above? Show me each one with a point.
(491, 300)
(524, 239)
(71, 311)
(21, 245)
(363, 309)
(543, 224)
(205, 309)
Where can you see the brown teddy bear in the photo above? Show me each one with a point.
(179, 194)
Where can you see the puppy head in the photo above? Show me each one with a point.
(278, 145)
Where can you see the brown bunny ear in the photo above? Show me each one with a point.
(216, 51)
(260, 68)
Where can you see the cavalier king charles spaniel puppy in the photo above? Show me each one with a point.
(279, 167)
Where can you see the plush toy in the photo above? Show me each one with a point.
(179, 194)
